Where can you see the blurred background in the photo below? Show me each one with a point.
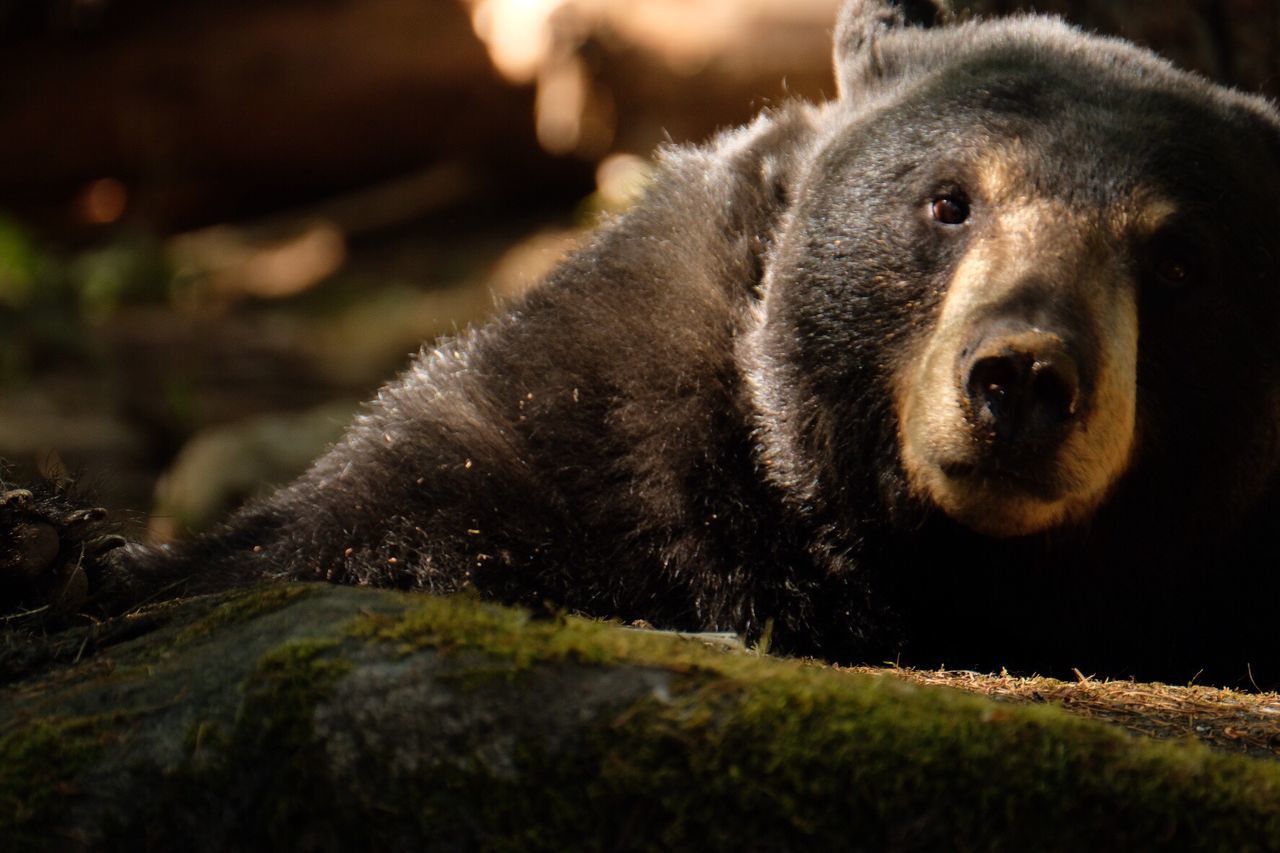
(225, 222)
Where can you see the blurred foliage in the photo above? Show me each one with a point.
(49, 297)
(19, 265)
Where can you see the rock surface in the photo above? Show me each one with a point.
(327, 718)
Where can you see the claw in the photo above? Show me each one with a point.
(16, 497)
(85, 516)
(103, 544)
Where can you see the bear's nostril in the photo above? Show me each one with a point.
(1055, 388)
(1022, 394)
(994, 379)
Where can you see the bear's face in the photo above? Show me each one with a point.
(1034, 270)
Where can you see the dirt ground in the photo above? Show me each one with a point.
(1228, 720)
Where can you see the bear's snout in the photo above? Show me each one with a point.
(1021, 391)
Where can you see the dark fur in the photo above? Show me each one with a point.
(602, 446)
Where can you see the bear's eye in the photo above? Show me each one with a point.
(1173, 270)
(1174, 260)
(950, 209)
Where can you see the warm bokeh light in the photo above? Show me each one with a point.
(540, 42)
(235, 263)
(518, 34)
(523, 36)
(561, 102)
(621, 179)
(102, 202)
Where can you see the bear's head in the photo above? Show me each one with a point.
(1022, 263)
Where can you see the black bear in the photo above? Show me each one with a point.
(976, 364)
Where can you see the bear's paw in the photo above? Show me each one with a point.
(50, 549)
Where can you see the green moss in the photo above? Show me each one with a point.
(464, 623)
(785, 753)
(806, 757)
(242, 607)
(39, 762)
(206, 739)
(282, 695)
(269, 770)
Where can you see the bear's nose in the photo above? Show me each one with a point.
(1023, 388)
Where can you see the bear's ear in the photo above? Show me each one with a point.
(861, 22)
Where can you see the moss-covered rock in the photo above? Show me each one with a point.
(327, 718)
